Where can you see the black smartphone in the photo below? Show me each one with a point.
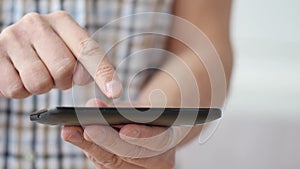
(125, 115)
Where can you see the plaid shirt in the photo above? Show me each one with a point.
(28, 145)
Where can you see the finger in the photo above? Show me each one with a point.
(96, 154)
(81, 75)
(74, 135)
(51, 49)
(108, 138)
(34, 74)
(88, 52)
(10, 86)
(163, 161)
(32, 71)
(111, 165)
(153, 138)
(1, 56)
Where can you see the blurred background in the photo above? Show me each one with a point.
(260, 128)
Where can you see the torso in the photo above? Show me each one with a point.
(27, 145)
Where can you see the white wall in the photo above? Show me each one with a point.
(260, 127)
(266, 39)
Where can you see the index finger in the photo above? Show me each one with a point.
(87, 51)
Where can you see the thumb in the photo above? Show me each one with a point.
(154, 138)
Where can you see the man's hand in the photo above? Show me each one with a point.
(106, 143)
(134, 146)
(40, 52)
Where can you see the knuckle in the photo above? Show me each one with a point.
(60, 14)
(15, 90)
(88, 147)
(92, 158)
(8, 34)
(63, 69)
(89, 47)
(113, 162)
(32, 24)
(32, 18)
(38, 80)
(105, 70)
(6, 31)
(15, 32)
(40, 87)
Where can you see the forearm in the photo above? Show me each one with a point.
(212, 18)
(170, 83)
(172, 94)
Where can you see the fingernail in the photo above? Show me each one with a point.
(133, 133)
(113, 88)
(76, 138)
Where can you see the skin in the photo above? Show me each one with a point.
(212, 17)
(48, 47)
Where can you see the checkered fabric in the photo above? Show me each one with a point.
(26, 145)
